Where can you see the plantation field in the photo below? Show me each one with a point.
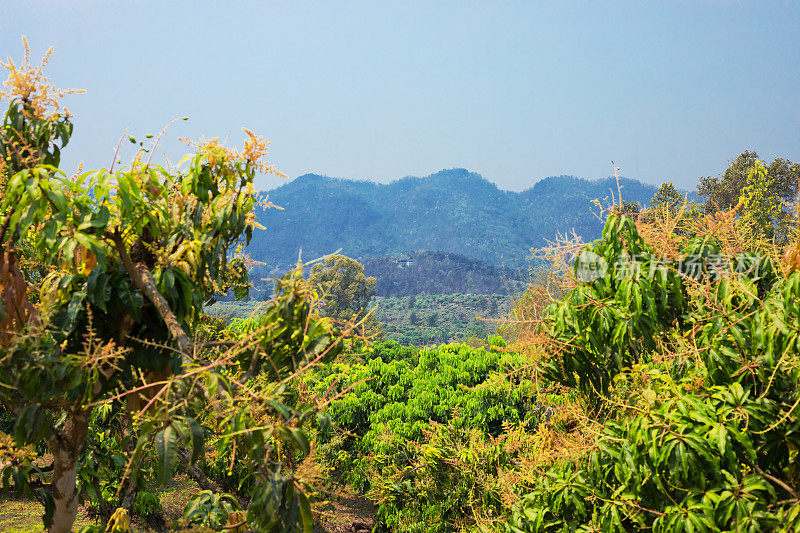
(422, 320)
(428, 319)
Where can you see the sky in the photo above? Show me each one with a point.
(516, 91)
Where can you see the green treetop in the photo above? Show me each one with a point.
(343, 286)
(723, 192)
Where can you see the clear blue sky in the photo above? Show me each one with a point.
(514, 90)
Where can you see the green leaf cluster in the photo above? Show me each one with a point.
(711, 442)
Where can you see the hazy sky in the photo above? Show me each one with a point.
(513, 90)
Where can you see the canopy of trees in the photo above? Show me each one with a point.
(723, 192)
(435, 272)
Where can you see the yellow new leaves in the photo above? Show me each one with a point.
(186, 257)
(119, 522)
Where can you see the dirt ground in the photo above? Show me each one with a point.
(349, 513)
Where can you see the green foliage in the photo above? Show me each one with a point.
(667, 197)
(545, 285)
(766, 194)
(210, 509)
(398, 400)
(342, 284)
(440, 318)
(762, 211)
(723, 192)
(709, 442)
(240, 309)
(670, 209)
(24, 141)
(290, 347)
(103, 463)
(497, 341)
(639, 298)
(630, 208)
(432, 320)
(102, 372)
(346, 292)
(147, 503)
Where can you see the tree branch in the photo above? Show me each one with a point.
(199, 477)
(143, 280)
(775, 480)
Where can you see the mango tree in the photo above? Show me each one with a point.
(103, 276)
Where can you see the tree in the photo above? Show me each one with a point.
(776, 187)
(733, 352)
(411, 302)
(432, 320)
(762, 212)
(667, 197)
(343, 286)
(476, 329)
(102, 281)
(724, 192)
(630, 208)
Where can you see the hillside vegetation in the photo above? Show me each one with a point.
(436, 272)
(434, 319)
(658, 394)
(451, 211)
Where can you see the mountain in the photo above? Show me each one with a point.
(452, 210)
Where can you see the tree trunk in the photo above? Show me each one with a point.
(197, 474)
(65, 446)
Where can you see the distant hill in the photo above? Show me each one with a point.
(434, 272)
(452, 210)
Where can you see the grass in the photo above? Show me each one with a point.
(21, 515)
(175, 496)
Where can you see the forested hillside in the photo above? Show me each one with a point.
(436, 272)
(452, 210)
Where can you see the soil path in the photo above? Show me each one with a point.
(349, 513)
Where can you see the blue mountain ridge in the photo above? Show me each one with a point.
(453, 210)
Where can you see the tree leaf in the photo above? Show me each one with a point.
(166, 442)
